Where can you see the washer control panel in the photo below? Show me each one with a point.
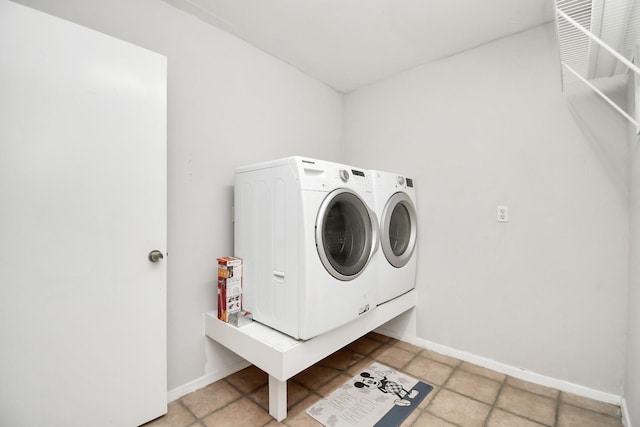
(323, 175)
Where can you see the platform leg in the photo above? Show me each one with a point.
(277, 398)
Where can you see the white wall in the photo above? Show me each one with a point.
(229, 104)
(632, 378)
(547, 291)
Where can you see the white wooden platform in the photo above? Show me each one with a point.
(282, 357)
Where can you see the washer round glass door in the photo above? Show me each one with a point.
(345, 234)
(398, 229)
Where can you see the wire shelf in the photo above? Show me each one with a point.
(599, 39)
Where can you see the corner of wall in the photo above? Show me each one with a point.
(626, 418)
(205, 380)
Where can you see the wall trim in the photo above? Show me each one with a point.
(523, 374)
(513, 371)
(205, 380)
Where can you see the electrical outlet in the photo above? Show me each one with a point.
(503, 213)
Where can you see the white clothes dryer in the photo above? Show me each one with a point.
(395, 205)
(306, 232)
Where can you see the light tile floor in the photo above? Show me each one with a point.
(464, 395)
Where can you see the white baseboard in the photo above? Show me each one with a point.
(513, 371)
(522, 374)
(204, 381)
(626, 418)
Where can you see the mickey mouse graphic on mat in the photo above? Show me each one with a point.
(386, 386)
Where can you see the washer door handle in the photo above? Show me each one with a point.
(375, 236)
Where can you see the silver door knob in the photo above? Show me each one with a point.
(155, 256)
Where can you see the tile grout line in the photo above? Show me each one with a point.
(454, 369)
(524, 416)
(231, 402)
(444, 387)
(187, 409)
(440, 388)
(403, 370)
(558, 408)
(495, 401)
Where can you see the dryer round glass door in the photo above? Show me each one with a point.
(344, 234)
(398, 229)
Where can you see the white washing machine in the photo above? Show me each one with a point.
(395, 206)
(306, 232)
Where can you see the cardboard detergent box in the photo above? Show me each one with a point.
(229, 287)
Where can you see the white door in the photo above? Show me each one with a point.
(82, 203)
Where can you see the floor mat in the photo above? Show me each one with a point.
(378, 396)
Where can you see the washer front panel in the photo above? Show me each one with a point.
(398, 229)
(344, 234)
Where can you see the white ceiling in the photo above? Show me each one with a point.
(351, 43)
